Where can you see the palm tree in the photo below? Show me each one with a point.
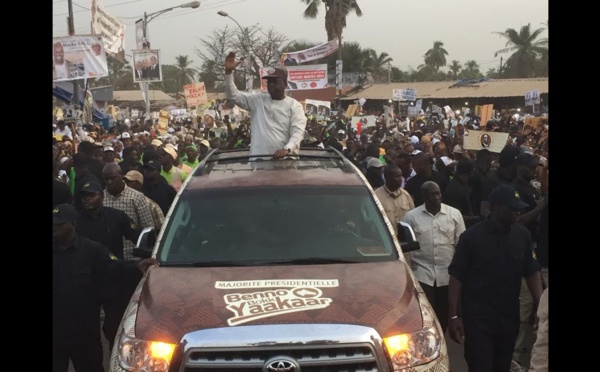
(378, 65)
(120, 75)
(436, 56)
(335, 16)
(471, 71)
(526, 51)
(455, 68)
(185, 73)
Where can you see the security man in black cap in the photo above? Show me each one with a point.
(108, 226)
(490, 259)
(83, 274)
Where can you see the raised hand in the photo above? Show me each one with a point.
(230, 63)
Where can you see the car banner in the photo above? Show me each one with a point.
(78, 57)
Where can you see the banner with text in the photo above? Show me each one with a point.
(109, 27)
(407, 94)
(318, 52)
(532, 97)
(301, 77)
(195, 94)
(78, 57)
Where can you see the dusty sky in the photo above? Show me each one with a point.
(403, 29)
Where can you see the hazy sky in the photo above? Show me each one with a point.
(403, 29)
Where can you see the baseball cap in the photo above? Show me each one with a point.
(507, 195)
(205, 143)
(156, 142)
(135, 176)
(276, 72)
(64, 213)
(341, 131)
(153, 164)
(92, 186)
(169, 150)
(457, 149)
(125, 135)
(527, 160)
(508, 155)
(109, 148)
(374, 163)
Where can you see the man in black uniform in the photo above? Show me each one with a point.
(490, 259)
(83, 175)
(423, 166)
(82, 276)
(108, 226)
(156, 187)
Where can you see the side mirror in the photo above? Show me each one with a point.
(406, 238)
(145, 243)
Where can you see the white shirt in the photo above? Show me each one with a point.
(437, 236)
(61, 71)
(274, 124)
(65, 132)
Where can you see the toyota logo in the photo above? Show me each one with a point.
(281, 364)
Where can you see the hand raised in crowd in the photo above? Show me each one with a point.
(231, 63)
(145, 264)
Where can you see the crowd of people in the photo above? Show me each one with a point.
(480, 217)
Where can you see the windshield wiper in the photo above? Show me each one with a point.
(318, 261)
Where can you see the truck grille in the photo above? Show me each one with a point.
(330, 358)
(282, 347)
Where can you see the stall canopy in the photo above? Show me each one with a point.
(64, 92)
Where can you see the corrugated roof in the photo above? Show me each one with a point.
(136, 95)
(445, 89)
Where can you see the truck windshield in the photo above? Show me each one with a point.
(271, 225)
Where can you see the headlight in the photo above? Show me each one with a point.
(142, 355)
(412, 349)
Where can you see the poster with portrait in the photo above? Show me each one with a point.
(146, 66)
(78, 57)
(321, 109)
(479, 139)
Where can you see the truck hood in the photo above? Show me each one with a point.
(177, 300)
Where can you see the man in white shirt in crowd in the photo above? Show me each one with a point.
(63, 129)
(437, 228)
(277, 121)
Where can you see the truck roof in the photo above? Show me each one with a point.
(312, 167)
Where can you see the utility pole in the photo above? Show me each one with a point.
(389, 72)
(71, 27)
(500, 70)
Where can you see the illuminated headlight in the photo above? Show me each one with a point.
(412, 349)
(142, 355)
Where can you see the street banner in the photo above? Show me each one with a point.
(320, 109)
(479, 139)
(532, 97)
(109, 27)
(146, 66)
(195, 94)
(78, 57)
(88, 108)
(318, 52)
(301, 77)
(163, 122)
(139, 34)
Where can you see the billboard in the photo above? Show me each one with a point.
(78, 57)
(146, 66)
(301, 77)
(318, 52)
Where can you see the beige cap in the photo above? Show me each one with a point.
(135, 176)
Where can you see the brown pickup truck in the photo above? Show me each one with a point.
(278, 265)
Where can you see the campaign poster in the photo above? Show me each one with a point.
(78, 57)
(146, 66)
(301, 77)
(320, 109)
